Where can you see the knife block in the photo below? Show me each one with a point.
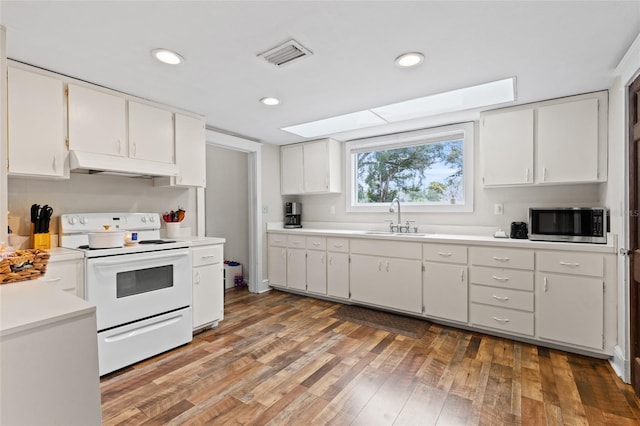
(40, 241)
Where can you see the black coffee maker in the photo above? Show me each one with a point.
(292, 215)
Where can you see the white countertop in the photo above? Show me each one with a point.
(28, 304)
(61, 254)
(610, 247)
(202, 241)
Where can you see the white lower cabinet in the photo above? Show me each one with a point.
(277, 259)
(208, 285)
(501, 288)
(445, 287)
(570, 306)
(338, 267)
(394, 283)
(297, 268)
(316, 265)
(65, 274)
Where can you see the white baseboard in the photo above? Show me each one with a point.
(264, 286)
(621, 365)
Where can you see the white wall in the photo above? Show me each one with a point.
(227, 202)
(272, 203)
(318, 208)
(95, 193)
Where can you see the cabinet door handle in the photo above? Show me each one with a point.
(118, 145)
(570, 264)
(501, 298)
(197, 278)
(526, 175)
(330, 260)
(387, 266)
(283, 253)
(379, 265)
(322, 260)
(461, 275)
(503, 279)
(502, 320)
(501, 259)
(445, 254)
(544, 173)
(134, 148)
(55, 164)
(545, 284)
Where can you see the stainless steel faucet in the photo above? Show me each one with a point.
(391, 210)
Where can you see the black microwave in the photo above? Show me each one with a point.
(573, 224)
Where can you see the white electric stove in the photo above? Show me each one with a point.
(142, 292)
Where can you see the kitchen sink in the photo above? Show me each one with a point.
(401, 234)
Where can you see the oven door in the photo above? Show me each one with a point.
(131, 287)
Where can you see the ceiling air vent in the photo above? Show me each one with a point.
(286, 53)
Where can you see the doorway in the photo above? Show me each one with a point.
(634, 230)
(227, 204)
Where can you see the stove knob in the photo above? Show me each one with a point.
(144, 219)
(84, 220)
(152, 219)
(73, 220)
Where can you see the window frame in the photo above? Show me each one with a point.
(464, 131)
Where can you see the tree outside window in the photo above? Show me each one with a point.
(425, 173)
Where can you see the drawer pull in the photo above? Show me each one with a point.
(316, 244)
(501, 259)
(208, 256)
(503, 279)
(501, 298)
(338, 245)
(445, 254)
(278, 241)
(570, 264)
(51, 280)
(296, 243)
(502, 320)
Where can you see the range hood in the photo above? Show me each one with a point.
(89, 162)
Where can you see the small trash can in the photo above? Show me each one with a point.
(232, 274)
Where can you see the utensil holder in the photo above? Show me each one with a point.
(173, 229)
(41, 241)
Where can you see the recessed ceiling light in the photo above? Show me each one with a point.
(411, 59)
(270, 101)
(167, 56)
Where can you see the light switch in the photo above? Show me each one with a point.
(498, 209)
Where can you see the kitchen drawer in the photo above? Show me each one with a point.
(399, 249)
(502, 297)
(316, 243)
(571, 263)
(444, 253)
(506, 278)
(340, 245)
(296, 241)
(501, 257)
(207, 255)
(277, 240)
(62, 275)
(507, 320)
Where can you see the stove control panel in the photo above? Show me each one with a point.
(78, 223)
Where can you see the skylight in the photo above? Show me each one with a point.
(482, 95)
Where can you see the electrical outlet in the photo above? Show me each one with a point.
(498, 209)
(265, 209)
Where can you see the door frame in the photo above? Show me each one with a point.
(254, 192)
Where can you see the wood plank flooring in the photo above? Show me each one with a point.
(281, 359)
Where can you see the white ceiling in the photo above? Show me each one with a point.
(553, 48)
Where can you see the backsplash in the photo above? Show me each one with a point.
(94, 193)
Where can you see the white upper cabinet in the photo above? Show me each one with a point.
(311, 168)
(35, 124)
(97, 121)
(190, 148)
(506, 141)
(568, 142)
(292, 170)
(553, 142)
(150, 133)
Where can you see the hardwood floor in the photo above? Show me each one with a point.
(281, 359)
